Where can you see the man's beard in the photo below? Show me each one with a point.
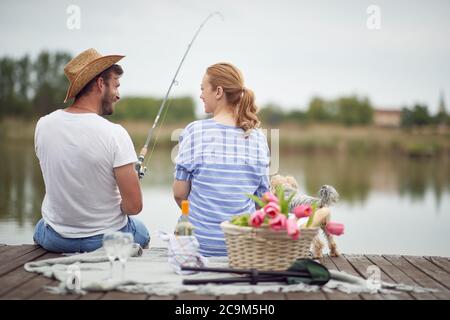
(107, 103)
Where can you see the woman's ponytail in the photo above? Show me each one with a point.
(246, 117)
(231, 80)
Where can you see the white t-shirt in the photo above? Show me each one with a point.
(77, 154)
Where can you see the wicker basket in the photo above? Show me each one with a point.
(263, 248)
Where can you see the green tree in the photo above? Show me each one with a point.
(416, 116)
(297, 116)
(407, 118)
(145, 108)
(51, 84)
(320, 110)
(271, 114)
(15, 86)
(352, 110)
(421, 116)
(7, 95)
(23, 81)
(442, 116)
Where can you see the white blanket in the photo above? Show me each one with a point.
(148, 271)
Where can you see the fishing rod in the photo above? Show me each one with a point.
(140, 167)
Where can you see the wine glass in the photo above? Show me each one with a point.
(126, 247)
(111, 244)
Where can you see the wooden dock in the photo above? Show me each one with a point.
(430, 272)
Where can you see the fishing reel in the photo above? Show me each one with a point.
(140, 168)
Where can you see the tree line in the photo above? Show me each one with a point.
(351, 110)
(35, 87)
(32, 87)
(347, 110)
(418, 115)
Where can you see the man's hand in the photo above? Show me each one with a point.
(181, 190)
(130, 189)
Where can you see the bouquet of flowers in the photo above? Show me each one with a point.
(274, 213)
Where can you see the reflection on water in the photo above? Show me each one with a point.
(392, 193)
(22, 187)
(355, 177)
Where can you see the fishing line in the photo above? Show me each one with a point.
(140, 165)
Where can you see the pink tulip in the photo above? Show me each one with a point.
(269, 197)
(302, 211)
(257, 218)
(278, 222)
(272, 209)
(335, 228)
(292, 228)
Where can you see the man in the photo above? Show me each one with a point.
(87, 163)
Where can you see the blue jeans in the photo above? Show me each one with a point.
(50, 240)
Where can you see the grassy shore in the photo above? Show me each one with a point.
(417, 142)
(366, 139)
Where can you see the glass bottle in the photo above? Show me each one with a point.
(184, 227)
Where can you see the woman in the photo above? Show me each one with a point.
(221, 159)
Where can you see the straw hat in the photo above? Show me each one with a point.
(84, 67)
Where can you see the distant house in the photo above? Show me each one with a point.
(387, 118)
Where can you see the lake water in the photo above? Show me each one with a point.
(391, 205)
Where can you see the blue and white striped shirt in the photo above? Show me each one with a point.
(222, 165)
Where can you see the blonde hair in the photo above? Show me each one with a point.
(231, 80)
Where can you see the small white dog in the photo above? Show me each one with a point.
(327, 196)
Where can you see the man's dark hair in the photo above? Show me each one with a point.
(106, 75)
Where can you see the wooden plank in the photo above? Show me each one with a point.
(19, 276)
(15, 252)
(20, 261)
(362, 265)
(441, 262)
(156, 297)
(41, 294)
(120, 295)
(48, 255)
(326, 261)
(26, 285)
(193, 296)
(420, 277)
(336, 294)
(430, 269)
(399, 276)
(92, 296)
(13, 279)
(319, 295)
(343, 265)
(28, 289)
(232, 297)
(4, 248)
(267, 296)
(368, 296)
(432, 272)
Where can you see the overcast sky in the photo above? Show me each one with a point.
(288, 51)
